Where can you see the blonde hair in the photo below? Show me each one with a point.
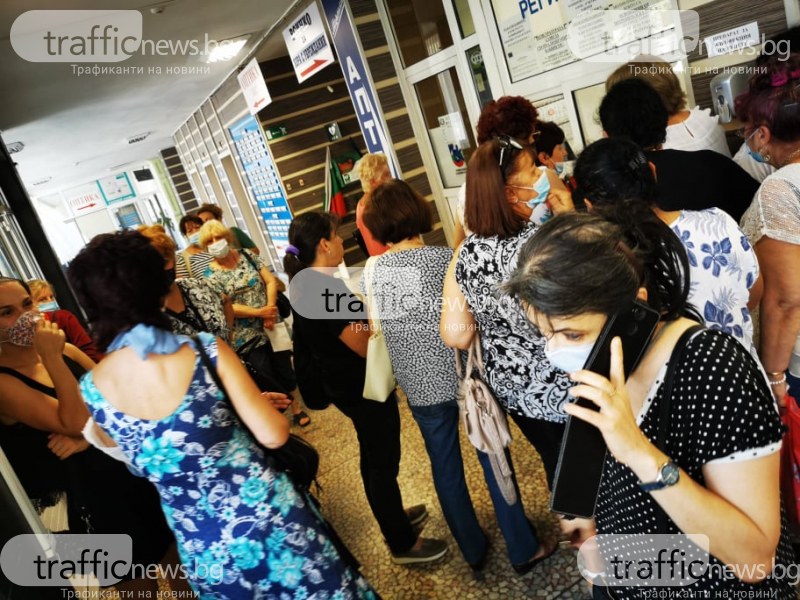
(159, 240)
(38, 289)
(658, 73)
(369, 170)
(211, 229)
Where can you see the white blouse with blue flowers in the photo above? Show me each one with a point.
(723, 267)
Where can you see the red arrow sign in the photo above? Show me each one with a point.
(261, 101)
(314, 66)
(87, 206)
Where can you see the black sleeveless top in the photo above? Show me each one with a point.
(103, 496)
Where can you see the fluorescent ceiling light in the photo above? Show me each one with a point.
(226, 50)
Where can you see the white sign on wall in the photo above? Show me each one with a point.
(307, 43)
(254, 88)
(732, 40)
(84, 199)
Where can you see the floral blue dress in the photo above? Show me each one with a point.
(242, 529)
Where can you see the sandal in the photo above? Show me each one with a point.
(547, 551)
(302, 419)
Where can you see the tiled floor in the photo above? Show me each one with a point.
(345, 504)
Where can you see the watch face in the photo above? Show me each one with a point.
(670, 474)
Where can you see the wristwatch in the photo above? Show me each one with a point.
(668, 474)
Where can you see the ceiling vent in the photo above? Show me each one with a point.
(139, 137)
(15, 147)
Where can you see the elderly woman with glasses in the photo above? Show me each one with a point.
(502, 179)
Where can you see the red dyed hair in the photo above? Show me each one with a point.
(773, 98)
(513, 116)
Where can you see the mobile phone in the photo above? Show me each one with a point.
(583, 450)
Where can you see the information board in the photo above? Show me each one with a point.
(541, 35)
(262, 176)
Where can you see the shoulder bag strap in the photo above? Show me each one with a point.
(188, 261)
(369, 273)
(669, 382)
(666, 404)
(201, 351)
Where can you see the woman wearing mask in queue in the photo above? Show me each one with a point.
(41, 418)
(336, 341)
(513, 117)
(426, 371)
(712, 467)
(45, 300)
(769, 110)
(501, 178)
(192, 305)
(192, 261)
(253, 289)
(242, 529)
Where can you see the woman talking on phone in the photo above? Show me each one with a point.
(714, 470)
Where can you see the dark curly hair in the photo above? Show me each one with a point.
(633, 109)
(513, 116)
(120, 281)
(773, 98)
(613, 169)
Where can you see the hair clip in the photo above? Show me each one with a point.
(637, 162)
(779, 79)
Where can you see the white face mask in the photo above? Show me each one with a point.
(219, 249)
(569, 358)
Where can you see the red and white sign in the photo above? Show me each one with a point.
(85, 199)
(254, 88)
(308, 43)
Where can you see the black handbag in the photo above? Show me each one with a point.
(297, 457)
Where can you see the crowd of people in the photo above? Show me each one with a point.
(656, 212)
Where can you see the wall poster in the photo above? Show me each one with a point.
(540, 35)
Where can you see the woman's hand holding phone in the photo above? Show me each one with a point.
(615, 418)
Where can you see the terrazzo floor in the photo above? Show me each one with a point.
(345, 505)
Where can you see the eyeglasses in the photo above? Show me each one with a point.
(508, 146)
(742, 133)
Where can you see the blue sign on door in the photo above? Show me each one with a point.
(356, 77)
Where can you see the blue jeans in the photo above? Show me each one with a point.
(439, 427)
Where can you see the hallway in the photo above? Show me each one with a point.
(344, 503)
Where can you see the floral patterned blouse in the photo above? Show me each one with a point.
(244, 285)
(723, 267)
(513, 354)
(242, 529)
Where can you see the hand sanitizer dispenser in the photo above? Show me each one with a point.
(724, 89)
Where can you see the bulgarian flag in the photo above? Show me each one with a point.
(334, 196)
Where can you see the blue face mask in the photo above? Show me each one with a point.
(194, 239)
(46, 307)
(542, 189)
(756, 156)
(569, 358)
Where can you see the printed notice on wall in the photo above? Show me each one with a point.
(541, 35)
(554, 110)
(732, 40)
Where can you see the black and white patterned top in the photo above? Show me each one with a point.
(408, 290)
(516, 369)
(198, 262)
(204, 310)
(721, 411)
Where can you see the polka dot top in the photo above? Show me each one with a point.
(721, 411)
